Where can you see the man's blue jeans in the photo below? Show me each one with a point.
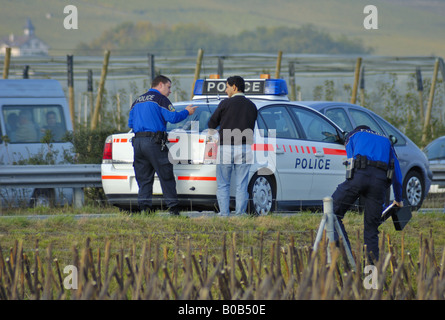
(236, 160)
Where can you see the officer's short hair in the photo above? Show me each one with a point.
(237, 81)
(362, 127)
(158, 79)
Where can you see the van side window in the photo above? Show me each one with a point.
(29, 124)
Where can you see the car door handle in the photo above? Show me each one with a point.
(279, 150)
(319, 154)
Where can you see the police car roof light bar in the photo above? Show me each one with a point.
(214, 87)
(276, 87)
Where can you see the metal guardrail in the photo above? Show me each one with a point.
(76, 176)
(47, 176)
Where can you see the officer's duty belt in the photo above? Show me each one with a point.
(145, 134)
(361, 162)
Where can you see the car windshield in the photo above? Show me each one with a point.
(30, 123)
(194, 122)
(435, 150)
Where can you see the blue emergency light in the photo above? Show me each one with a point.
(271, 87)
(276, 87)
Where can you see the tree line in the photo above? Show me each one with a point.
(185, 39)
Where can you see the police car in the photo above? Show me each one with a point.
(417, 176)
(298, 153)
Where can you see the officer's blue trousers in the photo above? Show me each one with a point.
(148, 159)
(370, 184)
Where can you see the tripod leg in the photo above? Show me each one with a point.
(320, 232)
(345, 243)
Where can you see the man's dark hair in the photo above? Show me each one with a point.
(158, 79)
(237, 81)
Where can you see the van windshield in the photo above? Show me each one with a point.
(197, 121)
(30, 123)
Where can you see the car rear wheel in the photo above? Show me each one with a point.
(261, 194)
(413, 189)
(43, 198)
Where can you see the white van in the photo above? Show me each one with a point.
(31, 109)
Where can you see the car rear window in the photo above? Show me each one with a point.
(197, 121)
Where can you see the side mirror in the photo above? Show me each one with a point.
(393, 139)
(342, 137)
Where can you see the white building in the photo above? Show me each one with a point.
(27, 44)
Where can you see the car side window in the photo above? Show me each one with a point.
(363, 118)
(339, 116)
(277, 118)
(315, 127)
(390, 131)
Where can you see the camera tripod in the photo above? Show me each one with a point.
(330, 223)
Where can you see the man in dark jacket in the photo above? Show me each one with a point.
(236, 118)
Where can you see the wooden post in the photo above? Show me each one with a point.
(278, 67)
(197, 69)
(151, 67)
(362, 87)
(26, 72)
(90, 92)
(100, 91)
(442, 69)
(220, 71)
(356, 79)
(420, 91)
(430, 103)
(292, 92)
(6, 64)
(71, 88)
(118, 105)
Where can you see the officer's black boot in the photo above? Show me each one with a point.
(174, 211)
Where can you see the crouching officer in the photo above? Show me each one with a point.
(373, 166)
(148, 118)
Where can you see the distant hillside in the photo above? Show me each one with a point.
(405, 27)
(186, 39)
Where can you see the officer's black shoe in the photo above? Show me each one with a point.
(174, 211)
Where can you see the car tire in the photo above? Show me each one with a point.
(413, 189)
(262, 194)
(43, 198)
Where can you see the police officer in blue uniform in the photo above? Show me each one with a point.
(148, 117)
(373, 166)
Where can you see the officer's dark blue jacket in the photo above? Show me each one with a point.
(375, 147)
(151, 112)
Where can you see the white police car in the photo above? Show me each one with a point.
(298, 154)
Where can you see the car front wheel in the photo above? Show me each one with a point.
(413, 189)
(261, 195)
